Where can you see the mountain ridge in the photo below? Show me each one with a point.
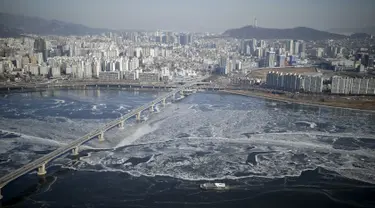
(18, 24)
(368, 30)
(300, 33)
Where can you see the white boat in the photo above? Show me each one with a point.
(213, 186)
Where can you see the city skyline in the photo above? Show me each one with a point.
(195, 16)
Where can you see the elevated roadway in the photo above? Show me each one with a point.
(40, 163)
(97, 84)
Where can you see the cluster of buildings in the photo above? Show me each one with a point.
(295, 82)
(336, 55)
(253, 53)
(260, 48)
(353, 86)
(172, 38)
(111, 56)
(162, 56)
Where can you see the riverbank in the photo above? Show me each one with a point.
(340, 102)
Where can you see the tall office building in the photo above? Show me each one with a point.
(296, 48)
(184, 39)
(319, 52)
(332, 51)
(254, 43)
(281, 61)
(259, 52)
(270, 59)
(164, 39)
(248, 50)
(230, 64)
(243, 46)
(262, 43)
(290, 47)
(40, 46)
(302, 49)
(138, 52)
(190, 38)
(134, 37)
(71, 51)
(158, 39)
(223, 61)
(246, 47)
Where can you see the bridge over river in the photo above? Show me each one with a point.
(40, 163)
(23, 87)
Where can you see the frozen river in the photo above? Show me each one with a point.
(206, 136)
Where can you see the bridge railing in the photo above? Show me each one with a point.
(62, 150)
(145, 106)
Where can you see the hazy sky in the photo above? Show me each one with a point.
(199, 15)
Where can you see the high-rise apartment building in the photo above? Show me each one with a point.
(270, 59)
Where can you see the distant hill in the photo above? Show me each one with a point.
(300, 33)
(368, 30)
(13, 25)
(360, 36)
(6, 32)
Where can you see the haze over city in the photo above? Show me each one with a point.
(197, 15)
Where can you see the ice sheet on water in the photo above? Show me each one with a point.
(195, 140)
(223, 152)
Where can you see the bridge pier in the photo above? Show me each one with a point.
(163, 102)
(181, 92)
(121, 125)
(152, 108)
(138, 117)
(74, 147)
(75, 151)
(42, 170)
(101, 137)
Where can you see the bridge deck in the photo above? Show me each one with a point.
(62, 150)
